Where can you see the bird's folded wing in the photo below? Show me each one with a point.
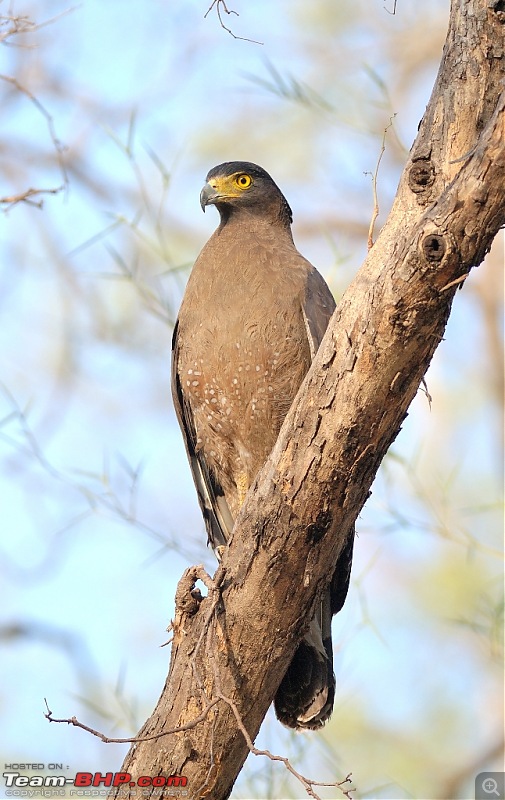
(318, 306)
(217, 516)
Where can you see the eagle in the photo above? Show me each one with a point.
(252, 318)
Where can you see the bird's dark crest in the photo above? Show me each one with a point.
(258, 173)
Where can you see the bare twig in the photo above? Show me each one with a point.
(455, 281)
(221, 4)
(424, 388)
(26, 197)
(186, 585)
(375, 174)
(108, 740)
(13, 25)
(307, 783)
(186, 603)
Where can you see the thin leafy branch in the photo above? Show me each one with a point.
(59, 147)
(290, 88)
(12, 25)
(13, 31)
(97, 488)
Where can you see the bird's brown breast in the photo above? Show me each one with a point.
(243, 357)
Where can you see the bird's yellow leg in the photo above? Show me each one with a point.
(242, 487)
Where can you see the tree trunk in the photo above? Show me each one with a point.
(231, 650)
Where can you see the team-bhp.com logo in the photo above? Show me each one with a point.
(86, 784)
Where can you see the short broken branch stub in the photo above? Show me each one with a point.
(188, 598)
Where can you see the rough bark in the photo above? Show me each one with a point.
(232, 649)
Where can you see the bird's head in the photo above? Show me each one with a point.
(240, 185)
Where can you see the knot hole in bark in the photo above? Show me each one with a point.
(433, 247)
(421, 175)
(498, 6)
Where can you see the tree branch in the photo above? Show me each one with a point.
(130, 739)
(221, 4)
(293, 525)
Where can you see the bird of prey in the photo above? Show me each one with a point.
(252, 318)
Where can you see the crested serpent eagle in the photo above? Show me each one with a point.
(253, 316)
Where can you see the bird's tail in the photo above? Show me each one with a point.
(307, 692)
(305, 697)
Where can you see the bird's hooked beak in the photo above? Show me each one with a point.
(208, 195)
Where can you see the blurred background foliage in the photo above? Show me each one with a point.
(112, 113)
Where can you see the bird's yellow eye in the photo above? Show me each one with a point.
(243, 181)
